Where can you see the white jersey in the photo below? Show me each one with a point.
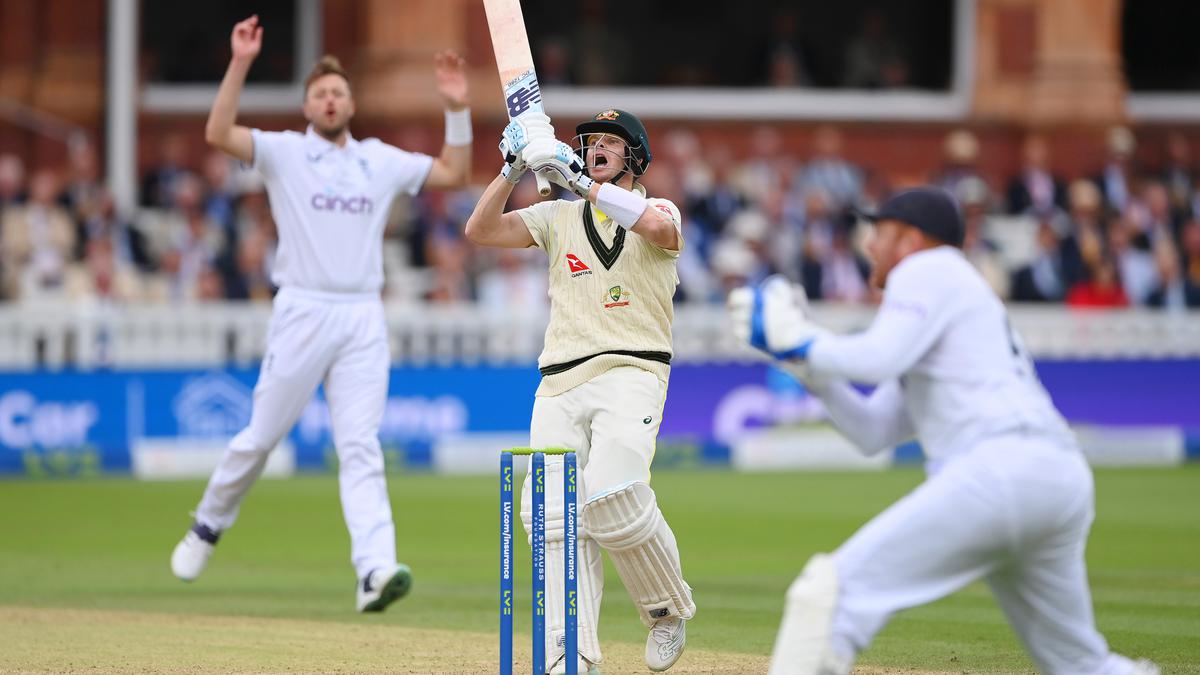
(330, 206)
(963, 374)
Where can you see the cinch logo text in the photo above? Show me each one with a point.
(338, 204)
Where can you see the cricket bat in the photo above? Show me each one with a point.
(515, 63)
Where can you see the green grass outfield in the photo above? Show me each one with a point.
(85, 584)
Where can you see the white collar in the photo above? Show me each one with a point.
(318, 143)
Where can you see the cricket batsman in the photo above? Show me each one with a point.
(1009, 496)
(329, 196)
(605, 366)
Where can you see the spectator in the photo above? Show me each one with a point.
(1115, 179)
(255, 258)
(602, 51)
(982, 252)
(1179, 174)
(127, 244)
(1083, 245)
(12, 181)
(763, 173)
(1179, 270)
(807, 241)
(38, 241)
(1136, 266)
(82, 191)
(1042, 279)
(840, 275)
(515, 285)
(159, 185)
(874, 60)
(960, 152)
(554, 62)
(734, 264)
(1034, 189)
(1101, 289)
(196, 244)
(751, 229)
(829, 171)
(1151, 214)
(103, 277)
(220, 200)
(257, 243)
(784, 59)
(710, 197)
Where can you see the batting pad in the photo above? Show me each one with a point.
(802, 646)
(628, 524)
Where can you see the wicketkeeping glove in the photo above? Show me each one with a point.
(773, 318)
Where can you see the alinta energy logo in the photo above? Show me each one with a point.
(334, 203)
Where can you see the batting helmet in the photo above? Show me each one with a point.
(628, 127)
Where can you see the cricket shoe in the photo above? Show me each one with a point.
(191, 554)
(382, 587)
(665, 643)
(584, 667)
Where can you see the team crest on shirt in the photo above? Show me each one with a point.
(576, 267)
(616, 297)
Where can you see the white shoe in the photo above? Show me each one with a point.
(382, 587)
(665, 643)
(191, 554)
(584, 667)
(1145, 667)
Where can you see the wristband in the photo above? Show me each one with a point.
(623, 206)
(458, 127)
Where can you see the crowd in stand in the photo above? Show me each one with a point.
(1125, 236)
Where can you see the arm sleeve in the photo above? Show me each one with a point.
(874, 423)
(411, 169)
(268, 151)
(909, 322)
(539, 219)
(668, 207)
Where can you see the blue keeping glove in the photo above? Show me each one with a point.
(772, 318)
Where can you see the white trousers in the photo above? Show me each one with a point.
(1015, 511)
(612, 424)
(315, 338)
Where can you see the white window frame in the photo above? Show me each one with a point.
(256, 98)
(1162, 106)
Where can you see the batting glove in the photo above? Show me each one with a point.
(561, 166)
(518, 134)
(512, 143)
(773, 318)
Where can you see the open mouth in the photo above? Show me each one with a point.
(600, 160)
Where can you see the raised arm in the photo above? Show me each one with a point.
(489, 225)
(220, 130)
(452, 168)
(656, 225)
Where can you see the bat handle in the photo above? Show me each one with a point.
(543, 184)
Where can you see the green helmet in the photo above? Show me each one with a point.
(628, 127)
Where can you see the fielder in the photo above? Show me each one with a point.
(604, 368)
(329, 196)
(1009, 495)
